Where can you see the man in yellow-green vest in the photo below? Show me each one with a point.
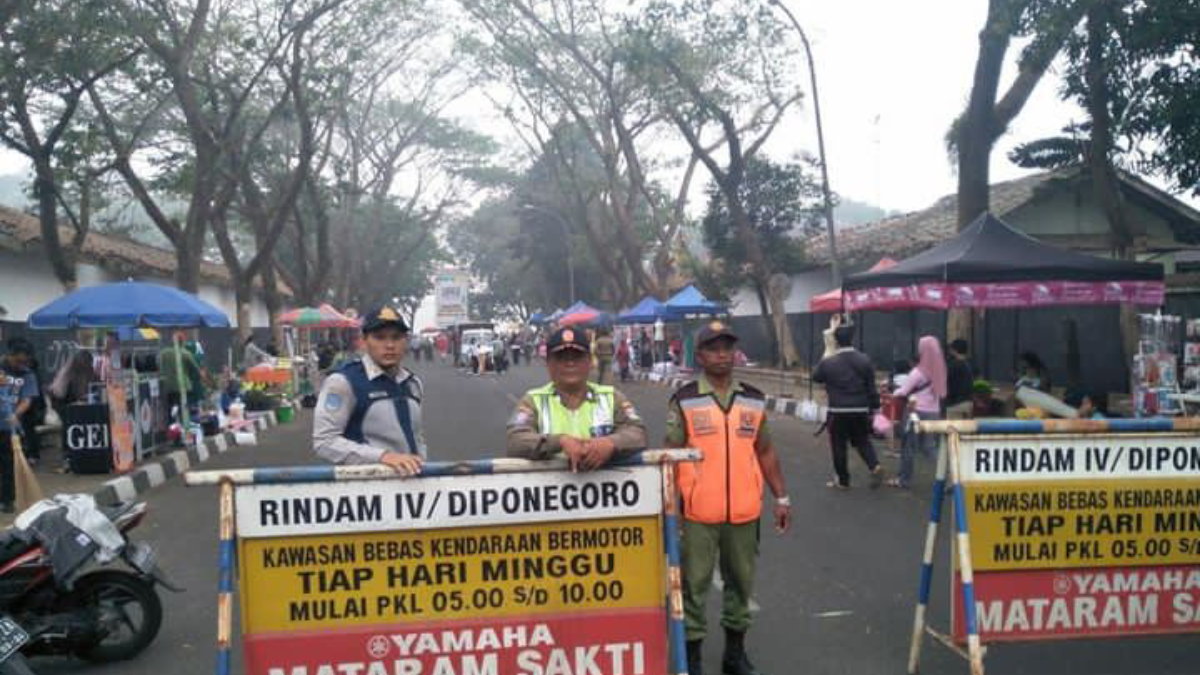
(585, 422)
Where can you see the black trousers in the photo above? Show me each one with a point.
(8, 488)
(847, 429)
(32, 442)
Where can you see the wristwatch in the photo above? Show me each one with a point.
(783, 501)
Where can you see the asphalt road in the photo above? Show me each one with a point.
(836, 592)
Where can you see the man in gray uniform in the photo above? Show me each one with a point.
(369, 411)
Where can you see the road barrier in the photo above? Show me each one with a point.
(1065, 529)
(493, 566)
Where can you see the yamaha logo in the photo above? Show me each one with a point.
(378, 646)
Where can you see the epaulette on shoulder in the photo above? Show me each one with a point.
(751, 390)
(688, 390)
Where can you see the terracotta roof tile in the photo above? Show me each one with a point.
(113, 253)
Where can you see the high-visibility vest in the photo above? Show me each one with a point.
(727, 485)
(593, 419)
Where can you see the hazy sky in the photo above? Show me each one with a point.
(892, 77)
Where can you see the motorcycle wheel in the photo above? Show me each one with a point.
(128, 609)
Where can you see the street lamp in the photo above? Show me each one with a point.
(833, 255)
(566, 229)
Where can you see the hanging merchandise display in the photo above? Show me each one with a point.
(1155, 372)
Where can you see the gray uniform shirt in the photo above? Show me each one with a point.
(381, 426)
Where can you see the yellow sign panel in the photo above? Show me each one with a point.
(303, 583)
(1051, 525)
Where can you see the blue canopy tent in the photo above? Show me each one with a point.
(128, 304)
(647, 311)
(691, 301)
(686, 304)
(131, 304)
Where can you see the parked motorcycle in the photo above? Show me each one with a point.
(12, 638)
(102, 609)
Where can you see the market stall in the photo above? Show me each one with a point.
(128, 389)
(294, 374)
(990, 265)
(685, 307)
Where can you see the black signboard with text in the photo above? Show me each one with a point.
(87, 440)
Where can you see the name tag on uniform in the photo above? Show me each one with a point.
(702, 423)
(375, 395)
(747, 426)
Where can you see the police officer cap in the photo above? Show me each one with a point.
(384, 317)
(568, 338)
(714, 330)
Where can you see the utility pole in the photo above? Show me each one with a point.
(834, 266)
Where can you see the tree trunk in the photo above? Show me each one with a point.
(243, 292)
(764, 308)
(976, 135)
(1105, 185)
(62, 261)
(188, 255)
(777, 288)
(272, 299)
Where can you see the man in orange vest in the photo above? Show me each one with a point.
(722, 494)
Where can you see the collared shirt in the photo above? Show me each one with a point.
(168, 371)
(381, 425)
(15, 387)
(677, 427)
(525, 438)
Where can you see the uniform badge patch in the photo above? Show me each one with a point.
(333, 402)
(521, 418)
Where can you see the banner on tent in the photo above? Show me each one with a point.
(1006, 295)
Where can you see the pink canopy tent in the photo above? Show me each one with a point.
(831, 302)
(583, 316)
(324, 316)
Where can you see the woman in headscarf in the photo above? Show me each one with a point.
(925, 388)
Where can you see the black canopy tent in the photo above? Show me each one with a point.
(990, 264)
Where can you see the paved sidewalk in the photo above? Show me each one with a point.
(154, 471)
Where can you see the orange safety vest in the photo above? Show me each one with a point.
(726, 486)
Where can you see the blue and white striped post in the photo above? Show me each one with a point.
(320, 473)
(225, 580)
(931, 531)
(966, 570)
(676, 635)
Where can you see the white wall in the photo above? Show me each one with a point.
(27, 283)
(804, 286)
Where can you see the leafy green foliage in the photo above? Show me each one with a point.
(1152, 80)
(783, 202)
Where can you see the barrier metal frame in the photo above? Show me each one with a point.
(665, 459)
(948, 465)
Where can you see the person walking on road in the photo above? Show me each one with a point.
(586, 422)
(623, 357)
(722, 494)
(369, 410)
(17, 391)
(605, 350)
(849, 379)
(925, 388)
